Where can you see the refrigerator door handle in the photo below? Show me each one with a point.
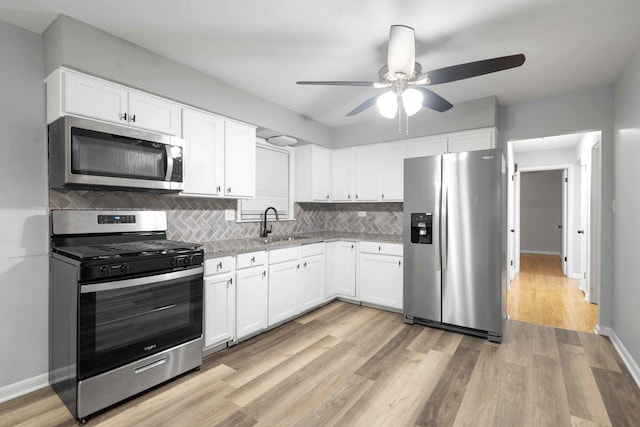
(444, 223)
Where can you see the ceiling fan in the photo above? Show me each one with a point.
(407, 83)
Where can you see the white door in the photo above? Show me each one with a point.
(341, 269)
(251, 300)
(150, 112)
(391, 171)
(283, 291)
(203, 153)
(511, 231)
(95, 98)
(321, 178)
(342, 175)
(219, 306)
(240, 160)
(585, 184)
(366, 164)
(312, 281)
(381, 280)
(565, 220)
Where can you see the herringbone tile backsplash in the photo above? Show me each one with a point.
(202, 219)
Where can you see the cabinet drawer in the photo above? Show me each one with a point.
(250, 259)
(313, 249)
(381, 248)
(284, 254)
(218, 265)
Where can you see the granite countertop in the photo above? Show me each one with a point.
(236, 246)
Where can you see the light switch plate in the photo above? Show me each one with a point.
(362, 213)
(229, 215)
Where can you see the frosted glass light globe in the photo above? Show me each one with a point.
(388, 104)
(412, 101)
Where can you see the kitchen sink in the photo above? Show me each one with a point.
(282, 239)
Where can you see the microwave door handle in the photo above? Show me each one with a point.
(167, 178)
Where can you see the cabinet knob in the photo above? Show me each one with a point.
(298, 266)
(356, 197)
(264, 274)
(253, 259)
(305, 264)
(218, 189)
(399, 263)
(123, 116)
(383, 195)
(352, 246)
(228, 190)
(133, 118)
(219, 266)
(379, 248)
(327, 197)
(349, 196)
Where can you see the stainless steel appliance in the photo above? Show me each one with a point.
(125, 306)
(85, 153)
(455, 242)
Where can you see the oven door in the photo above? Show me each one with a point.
(125, 320)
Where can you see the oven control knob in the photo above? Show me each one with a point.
(124, 268)
(103, 270)
(190, 260)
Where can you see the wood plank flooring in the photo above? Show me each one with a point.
(347, 365)
(541, 294)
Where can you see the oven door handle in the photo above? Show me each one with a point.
(139, 281)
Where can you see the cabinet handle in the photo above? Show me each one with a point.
(228, 190)
(349, 196)
(298, 266)
(305, 264)
(253, 259)
(133, 118)
(218, 189)
(356, 197)
(123, 116)
(352, 246)
(383, 195)
(264, 274)
(327, 197)
(399, 263)
(229, 283)
(219, 266)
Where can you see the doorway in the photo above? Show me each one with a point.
(554, 230)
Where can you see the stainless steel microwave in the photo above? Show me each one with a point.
(85, 153)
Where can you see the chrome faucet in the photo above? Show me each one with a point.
(264, 232)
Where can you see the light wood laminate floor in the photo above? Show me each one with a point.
(348, 365)
(541, 294)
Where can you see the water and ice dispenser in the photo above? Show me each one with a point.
(421, 228)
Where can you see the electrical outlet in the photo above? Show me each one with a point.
(229, 215)
(362, 213)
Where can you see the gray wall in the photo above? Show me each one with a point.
(80, 46)
(626, 291)
(541, 211)
(23, 210)
(583, 110)
(478, 113)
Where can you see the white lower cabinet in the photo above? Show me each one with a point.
(341, 270)
(312, 280)
(380, 274)
(220, 309)
(251, 299)
(283, 291)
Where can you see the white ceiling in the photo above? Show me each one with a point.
(265, 46)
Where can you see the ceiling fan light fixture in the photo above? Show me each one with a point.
(388, 104)
(412, 101)
(401, 53)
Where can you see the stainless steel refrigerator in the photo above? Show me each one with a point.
(455, 242)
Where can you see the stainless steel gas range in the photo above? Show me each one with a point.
(125, 306)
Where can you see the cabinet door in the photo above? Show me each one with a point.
(380, 280)
(251, 301)
(153, 113)
(312, 281)
(203, 153)
(480, 139)
(94, 98)
(219, 309)
(341, 269)
(391, 171)
(283, 291)
(366, 173)
(240, 160)
(431, 146)
(321, 170)
(342, 175)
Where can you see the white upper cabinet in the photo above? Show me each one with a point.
(239, 160)
(391, 171)
(74, 93)
(343, 174)
(478, 139)
(312, 174)
(203, 153)
(366, 173)
(427, 146)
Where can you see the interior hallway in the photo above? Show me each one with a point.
(541, 294)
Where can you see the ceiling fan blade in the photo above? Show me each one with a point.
(432, 100)
(366, 104)
(401, 52)
(340, 83)
(471, 69)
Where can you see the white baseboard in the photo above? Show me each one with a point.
(527, 251)
(631, 364)
(14, 390)
(575, 276)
